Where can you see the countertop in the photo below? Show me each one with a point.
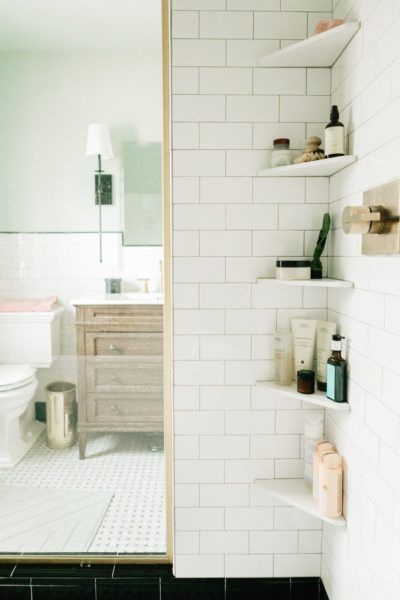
(127, 299)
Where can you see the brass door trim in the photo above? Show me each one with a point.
(168, 415)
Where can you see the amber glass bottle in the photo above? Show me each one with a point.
(334, 135)
(336, 372)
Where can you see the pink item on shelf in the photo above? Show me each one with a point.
(35, 305)
(326, 25)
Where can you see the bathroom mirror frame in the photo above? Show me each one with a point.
(167, 354)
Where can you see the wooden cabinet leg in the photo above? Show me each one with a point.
(82, 440)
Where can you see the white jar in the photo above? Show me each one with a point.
(293, 269)
(281, 155)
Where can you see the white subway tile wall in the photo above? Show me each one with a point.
(363, 560)
(229, 227)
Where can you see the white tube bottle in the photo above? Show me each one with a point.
(283, 358)
(313, 434)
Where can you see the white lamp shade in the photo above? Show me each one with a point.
(98, 141)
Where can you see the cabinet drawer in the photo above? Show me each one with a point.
(125, 318)
(144, 410)
(118, 376)
(124, 344)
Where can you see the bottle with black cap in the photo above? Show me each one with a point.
(334, 135)
(336, 372)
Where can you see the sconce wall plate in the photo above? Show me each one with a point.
(106, 192)
(377, 220)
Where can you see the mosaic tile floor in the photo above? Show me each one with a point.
(131, 465)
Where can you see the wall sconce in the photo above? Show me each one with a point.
(99, 144)
(377, 220)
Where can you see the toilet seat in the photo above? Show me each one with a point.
(13, 377)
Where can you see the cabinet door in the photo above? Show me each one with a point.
(142, 411)
(123, 344)
(118, 375)
(124, 318)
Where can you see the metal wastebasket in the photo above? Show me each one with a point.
(61, 413)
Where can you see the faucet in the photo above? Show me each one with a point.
(146, 281)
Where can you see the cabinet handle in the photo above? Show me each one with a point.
(114, 409)
(113, 348)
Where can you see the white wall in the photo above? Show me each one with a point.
(229, 227)
(363, 562)
(47, 102)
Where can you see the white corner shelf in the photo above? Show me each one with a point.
(320, 50)
(316, 168)
(325, 282)
(297, 493)
(318, 398)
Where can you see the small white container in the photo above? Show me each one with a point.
(283, 358)
(281, 155)
(293, 269)
(313, 434)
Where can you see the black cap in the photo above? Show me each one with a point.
(334, 113)
(337, 338)
(306, 374)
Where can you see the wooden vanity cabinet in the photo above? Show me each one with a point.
(120, 369)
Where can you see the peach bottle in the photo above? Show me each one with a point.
(330, 486)
(320, 449)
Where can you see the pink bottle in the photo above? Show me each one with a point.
(330, 486)
(321, 448)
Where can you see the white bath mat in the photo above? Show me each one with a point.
(49, 521)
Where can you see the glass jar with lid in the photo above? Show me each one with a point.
(281, 155)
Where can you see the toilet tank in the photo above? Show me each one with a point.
(32, 338)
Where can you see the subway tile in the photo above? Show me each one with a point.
(185, 24)
(248, 371)
(246, 53)
(201, 216)
(186, 295)
(188, 107)
(262, 347)
(193, 519)
(246, 566)
(226, 243)
(382, 421)
(195, 422)
(252, 422)
(289, 518)
(186, 347)
(306, 5)
(246, 162)
(226, 25)
(185, 190)
(258, 589)
(192, 270)
(246, 471)
(280, 81)
(228, 190)
(247, 270)
(317, 190)
(289, 468)
(197, 566)
(198, 372)
(253, 4)
(297, 565)
(185, 136)
(226, 135)
(304, 216)
(186, 397)
(224, 446)
(224, 495)
(187, 542)
(188, 322)
(310, 542)
(277, 190)
(318, 82)
(274, 446)
(225, 397)
(257, 321)
(199, 471)
(276, 542)
(185, 80)
(249, 519)
(223, 542)
(252, 217)
(252, 109)
(198, 5)
(186, 447)
(225, 295)
(198, 162)
(288, 421)
(270, 25)
(225, 347)
(217, 80)
(277, 243)
(201, 53)
(186, 243)
(305, 108)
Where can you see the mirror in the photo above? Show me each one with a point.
(54, 82)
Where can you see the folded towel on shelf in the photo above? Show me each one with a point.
(34, 305)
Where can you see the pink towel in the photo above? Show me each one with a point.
(38, 305)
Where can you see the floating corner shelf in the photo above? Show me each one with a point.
(326, 282)
(320, 50)
(297, 493)
(316, 168)
(317, 399)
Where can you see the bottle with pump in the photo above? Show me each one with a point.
(330, 485)
(334, 136)
(336, 372)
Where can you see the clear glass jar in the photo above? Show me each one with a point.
(281, 155)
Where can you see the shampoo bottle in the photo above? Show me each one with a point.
(325, 331)
(314, 433)
(336, 372)
(330, 486)
(321, 449)
(334, 135)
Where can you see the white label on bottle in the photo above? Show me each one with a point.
(309, 449)
(334, 140)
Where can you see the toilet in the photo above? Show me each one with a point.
(27, 341)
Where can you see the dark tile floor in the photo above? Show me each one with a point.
(142, 582)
